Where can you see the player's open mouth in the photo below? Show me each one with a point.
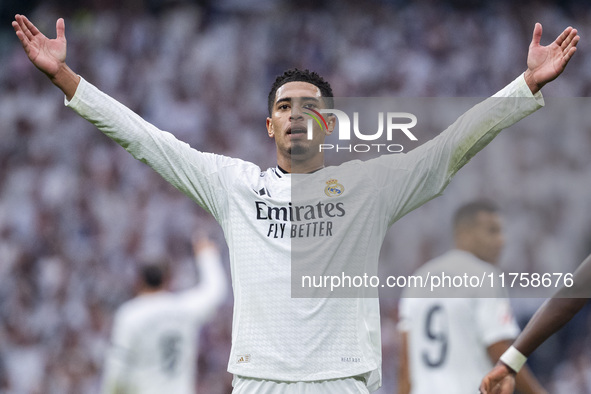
(297, 131)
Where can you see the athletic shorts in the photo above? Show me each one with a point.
(245, 385)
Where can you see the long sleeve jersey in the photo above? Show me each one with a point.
(281, 227)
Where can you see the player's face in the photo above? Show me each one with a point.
(487, 236)
(289, 120)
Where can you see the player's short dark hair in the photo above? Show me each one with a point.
(154, 274)
(466, 214)
(296, 75)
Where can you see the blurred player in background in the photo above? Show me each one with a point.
(154, 339)
(282, 344)
(548, 319)
(447, 343)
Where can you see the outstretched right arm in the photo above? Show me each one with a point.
(48, 55)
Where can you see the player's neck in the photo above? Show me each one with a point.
(300, 167)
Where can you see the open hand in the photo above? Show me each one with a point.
(48, 55)
(545, 63)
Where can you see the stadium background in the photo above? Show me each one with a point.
(77, 211)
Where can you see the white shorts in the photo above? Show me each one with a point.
(245, 385)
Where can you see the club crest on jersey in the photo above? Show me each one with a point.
(333, 188)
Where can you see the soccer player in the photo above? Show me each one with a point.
(548, 319)
(337, 219)
(153, 346)
(450, 342)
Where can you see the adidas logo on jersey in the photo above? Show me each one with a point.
(243, 359)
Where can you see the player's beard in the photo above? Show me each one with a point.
(301, 151)
(298, 150)
(302, 148)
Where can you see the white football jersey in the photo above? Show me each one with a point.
(280, 227)
(448, 337)
(154, 339)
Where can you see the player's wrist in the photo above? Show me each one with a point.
(513, 359)
(505, 368)
(531, 81)
(65, 79)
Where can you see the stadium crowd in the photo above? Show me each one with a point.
(77, 212)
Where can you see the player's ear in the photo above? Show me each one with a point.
(331, 122)
(270, 129)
